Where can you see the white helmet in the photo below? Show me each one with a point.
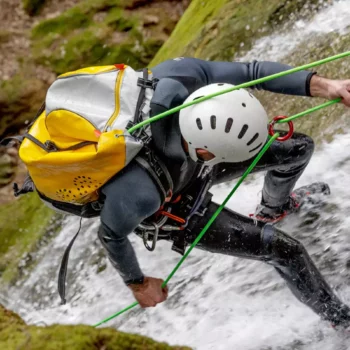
(232, 126)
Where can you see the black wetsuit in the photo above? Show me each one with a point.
(132, 196)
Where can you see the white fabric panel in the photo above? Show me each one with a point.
(133, 147)
(92, 96)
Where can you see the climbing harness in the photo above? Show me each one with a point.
(179, 212)
(273, 136)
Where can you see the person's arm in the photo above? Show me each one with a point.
(331, 89)
(240, 72)
(130, 197)
(303, 83)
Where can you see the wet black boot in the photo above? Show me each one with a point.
(298, 197)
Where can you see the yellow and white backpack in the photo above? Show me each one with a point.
(80, 140)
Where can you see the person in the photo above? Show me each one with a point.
(161, 190)
(132, 196)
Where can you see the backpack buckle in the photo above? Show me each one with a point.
(145, 83)
(50, 146)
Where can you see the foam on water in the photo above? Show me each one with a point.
(216, 302)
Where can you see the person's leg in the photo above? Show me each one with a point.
(236, 235)
(284, 163)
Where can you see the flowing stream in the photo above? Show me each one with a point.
(216, 302)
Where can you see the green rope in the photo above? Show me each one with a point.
(205, 229)
(308, 111)
(237, 87)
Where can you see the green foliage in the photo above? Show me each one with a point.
(15, 334)
(22, 224)
(33, 7)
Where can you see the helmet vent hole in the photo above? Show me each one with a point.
(228, 125)
(255, 148)
(243, 131)
(213, 122)
(221, 84)
(251, 95)
(205, 146)
(199, 124)
(253, 139)
(196, 98)
(190, 143)
(244, 105)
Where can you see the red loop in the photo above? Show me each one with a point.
(289, 133)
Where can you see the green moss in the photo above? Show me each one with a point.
(72, 19)
(119, 20)
(15, 334)
(22, 224)
(218, 30)
(189, 28)
(64, 45)
(82, 49)
(33, 7)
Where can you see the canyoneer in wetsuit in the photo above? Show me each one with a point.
(83, 159)
(133, 197)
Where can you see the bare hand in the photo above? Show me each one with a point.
(150, 293)
(331, 89)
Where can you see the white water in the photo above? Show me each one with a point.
(216, 302)
(277, 46)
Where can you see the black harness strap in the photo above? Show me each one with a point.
(144, 84)
(6, 141)
(157, 170)
(63, 268)
(28, 186)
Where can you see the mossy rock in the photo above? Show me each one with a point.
(217, 30)
(15, 334)
(95, 33)
(24, 224)
(20, 99)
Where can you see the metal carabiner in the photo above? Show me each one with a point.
(155, 238)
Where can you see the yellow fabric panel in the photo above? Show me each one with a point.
(67, 128)
(89, 70)
(28, 149)
(75, 176)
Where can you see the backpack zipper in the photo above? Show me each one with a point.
(117, 100)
